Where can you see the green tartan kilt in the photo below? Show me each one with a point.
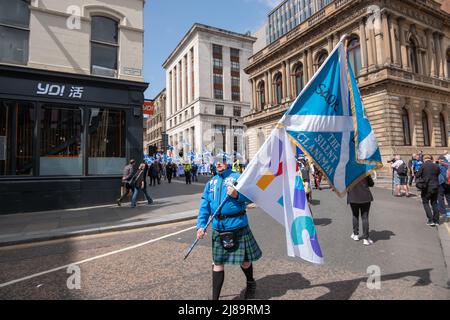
(246, 249)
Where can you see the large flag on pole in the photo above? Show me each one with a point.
(272, 181)
(329, 124)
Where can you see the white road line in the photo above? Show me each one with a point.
(93, 258)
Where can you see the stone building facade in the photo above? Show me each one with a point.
(155, 126)
(400, 51)
(208, 92)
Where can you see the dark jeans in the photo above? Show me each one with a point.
(188, 177)
(136, 194)
(363, 209)
(427, 198)
(411, 179)
(169, 177)
(444, 194)
(153, 180)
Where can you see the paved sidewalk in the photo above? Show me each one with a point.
(50, 225)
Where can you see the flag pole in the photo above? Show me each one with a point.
(211, 218)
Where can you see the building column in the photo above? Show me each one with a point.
(174, 91)
(306, 65)
(394, 40)
(431, 60)
(266, 88)
(419, 62)
(183, 82)
(380, 54)
(270, 86)
(189, 78)
(404, 49)
(169, 94)
(443, 56)
(363, 41)
(330, 44)
(386, 39)
(254, 96)
(288, 81)
(336, 39)
(178, 86)
(284, 80)
(370, 44)
(310, 63)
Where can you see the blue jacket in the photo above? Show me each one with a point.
(443, 173)
(215, 192)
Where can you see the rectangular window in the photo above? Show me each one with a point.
(237, 111)
(217, 63)
(104, 46)
(235, 96)
(17, 121)
(14, 31)
(217, 50)
(219, 109)
(235, 66)
(107, 141)
(218, 94)
(61, 138)
(218, 79)
(235, 82)
(219, 138)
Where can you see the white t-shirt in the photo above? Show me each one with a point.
(447, 156)
(397, 164)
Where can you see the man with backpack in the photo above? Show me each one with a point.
(400, 176)
(444, 184)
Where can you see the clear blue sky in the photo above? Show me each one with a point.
(167, 21)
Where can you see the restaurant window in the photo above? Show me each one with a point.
(14, 31)
(61, 139)
(17, 122)
(104, 46)
(107, 141)
(444, 135)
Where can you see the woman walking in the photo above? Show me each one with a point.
(360, 199)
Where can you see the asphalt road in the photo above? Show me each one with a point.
(406, 251)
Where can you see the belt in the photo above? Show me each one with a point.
(234, 215)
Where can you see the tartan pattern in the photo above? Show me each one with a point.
(246, 250)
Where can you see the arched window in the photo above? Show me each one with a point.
(321, 57)
(299, 79)
(406, 129)
(412, 55)
(262, 95)
(278, 80)
(14, 31)
(104, 46)
(426, 129)
(444, 136)
(354, 55)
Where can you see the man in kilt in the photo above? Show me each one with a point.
(232, 240)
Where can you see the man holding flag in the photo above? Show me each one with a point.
(232, 240)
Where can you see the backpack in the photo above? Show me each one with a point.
(402, 170)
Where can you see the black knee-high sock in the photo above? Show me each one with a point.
(217, 282)
(248, 273)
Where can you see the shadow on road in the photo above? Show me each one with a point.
(381, 235)
(323, 222)
(276, 286)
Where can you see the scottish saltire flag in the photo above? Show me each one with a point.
(329, 124)
(272, 181)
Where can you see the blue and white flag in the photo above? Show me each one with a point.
(329, 124)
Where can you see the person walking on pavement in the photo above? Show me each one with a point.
(233, 242)
(194, 170)
(400, 176)
(417, 164)
(154, 173)
(169, 172)
(360, 199)
(411, 169)
(444, 185)
(128, 173)
(317, 177)
(428, 175)
(187, 172)
(140, 185)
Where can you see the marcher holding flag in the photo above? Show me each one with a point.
(232, 240)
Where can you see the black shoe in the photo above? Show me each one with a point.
(119, 203)
(250, 290)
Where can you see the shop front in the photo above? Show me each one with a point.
(65, 138)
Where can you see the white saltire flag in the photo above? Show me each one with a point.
(272, 180)
(328, 122)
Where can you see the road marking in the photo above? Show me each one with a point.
(94, 258)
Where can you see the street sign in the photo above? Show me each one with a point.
(149, 108)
